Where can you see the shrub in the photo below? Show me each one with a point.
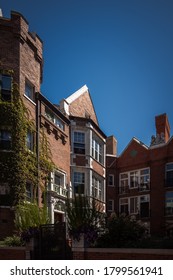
(12, 241)
(121, 232)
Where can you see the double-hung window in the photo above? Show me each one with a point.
(30, 140)
(79, 142)
(79, 182)
(97, 188)
(169, 174)
(169, 203)
(29, 91)
(29, 192)
(6, 85)
(5, 139)
(97, 150)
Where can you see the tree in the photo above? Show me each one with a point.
(84, 216)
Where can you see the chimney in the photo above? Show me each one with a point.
(1, 14)
(162, 127)
(111, 145)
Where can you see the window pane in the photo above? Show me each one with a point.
(29, 91)
(5, 139)
(6, 82)
(169, 203)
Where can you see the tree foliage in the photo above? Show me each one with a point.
(121, 231)
(84, 216)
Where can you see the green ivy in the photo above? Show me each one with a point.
(19, 165)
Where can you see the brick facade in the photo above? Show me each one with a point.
(135, 160)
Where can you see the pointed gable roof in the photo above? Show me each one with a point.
(134, 143)
(81, 105)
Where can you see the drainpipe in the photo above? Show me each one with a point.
(38, 141)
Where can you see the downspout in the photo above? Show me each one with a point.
(37, 143)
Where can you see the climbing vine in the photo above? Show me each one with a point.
(19, 165)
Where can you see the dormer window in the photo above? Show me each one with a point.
(53, 118)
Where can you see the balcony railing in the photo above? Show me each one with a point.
(60, 190)
(123, 189)
(144, 187)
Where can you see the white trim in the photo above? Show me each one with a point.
(76, 94)
(29, 99)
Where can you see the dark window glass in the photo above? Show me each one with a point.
(5, 139)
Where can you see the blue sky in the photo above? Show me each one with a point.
(122, 50)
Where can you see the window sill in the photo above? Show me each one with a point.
(29, 99)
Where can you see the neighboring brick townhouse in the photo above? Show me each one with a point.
(140, 180)
(88, 147)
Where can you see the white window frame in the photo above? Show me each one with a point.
(79, 142)
(97, 150)
(54, 118)
(79, 178)
(60, 189)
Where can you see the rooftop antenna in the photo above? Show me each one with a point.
(1, 15)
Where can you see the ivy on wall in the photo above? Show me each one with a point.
(19, 165)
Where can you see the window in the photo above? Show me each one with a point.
(4, 189)
(59, 183)
(124, 206)
(169, 204)
(79, 182)
(134, 205)
(79, 142)
(5, 139)
(29, 192)
(29, 91)
(144, 206)
(111, 205)
(111, 180)
(169, 174)
(97, 151)
(30, 140)
(123, 183)
(53, 118)
(144, 179)
(97, 190)
(6, 84)
(134, 179)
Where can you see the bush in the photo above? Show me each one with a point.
(121, 232)
(12, 241)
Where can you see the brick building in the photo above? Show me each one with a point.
(88, 144)
(69, 132)
(140, 180)
(21, 52)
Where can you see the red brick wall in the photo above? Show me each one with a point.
(16, 253)
(123, 254)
